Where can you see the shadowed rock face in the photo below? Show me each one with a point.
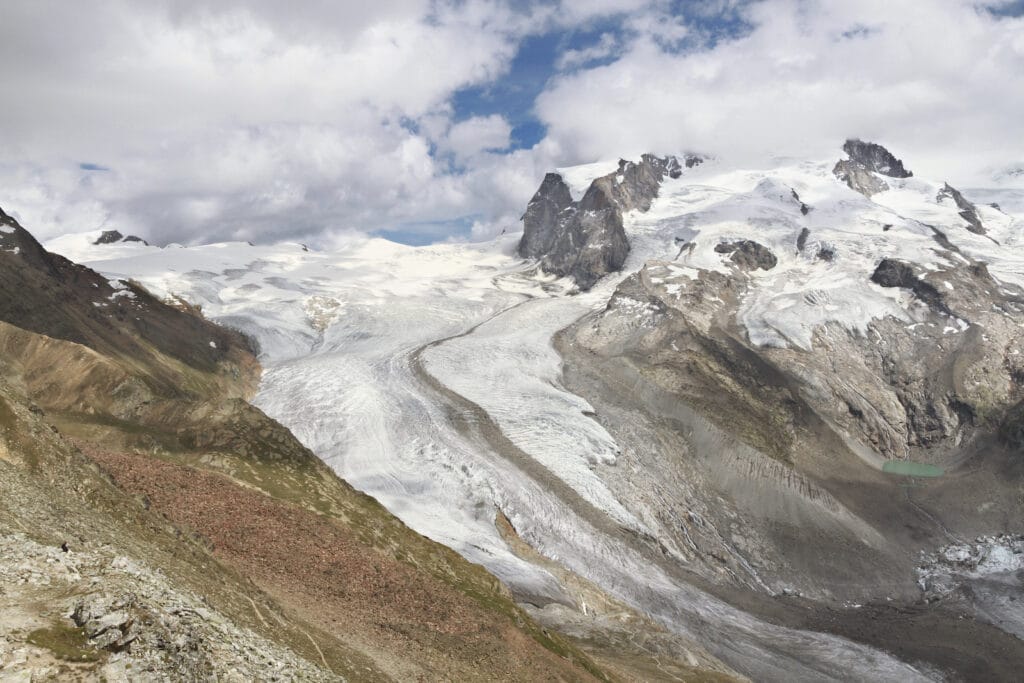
(748, 254)
(543, 215)
(892, 273)
(112, 236)
(866, 160)
(64, 300)
(875, 158)
(968, 211)
(585, 240)
(109, 237)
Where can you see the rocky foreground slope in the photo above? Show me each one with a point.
(156, 526)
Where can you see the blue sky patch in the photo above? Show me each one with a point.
(427, 232)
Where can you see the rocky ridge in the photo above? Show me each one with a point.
(866, 162)
(112, 236)
(585, 240)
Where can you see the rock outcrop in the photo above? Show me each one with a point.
(875, 158)
(867, 161)
(544, 216)
(113, 236)
(748, 254)
(585, 240)
(893, 273)
(968, 211)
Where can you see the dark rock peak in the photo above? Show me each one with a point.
(968, 211)
(801, 239)
(635, 184)
(867, 159)
(748, 254)
(875, 158)
(58, 298)
(109, 237)
(586, 239)
(112, 236)
(542, 216)
(6, 220)
(18, 242)
(804, 209)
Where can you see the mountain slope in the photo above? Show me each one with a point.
(163, 481)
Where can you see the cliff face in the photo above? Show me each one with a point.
(867, 161)
(585, 240)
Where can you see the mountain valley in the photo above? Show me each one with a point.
(696, 422)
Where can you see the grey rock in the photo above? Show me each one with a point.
(543, 216)
(804, 209)
(875, 158)
(586, 240)
(801, 240)
(968, 211)
(109, 237)
(866, 160)
(826, 253)
(113, 236)
(692, 160)
(893, 273)
(748, 254)
(590, 241)
(111, 621)
(859, 178)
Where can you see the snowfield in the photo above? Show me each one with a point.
(361, 345)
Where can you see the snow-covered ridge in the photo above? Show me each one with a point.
(824, 274)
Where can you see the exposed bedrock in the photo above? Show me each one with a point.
(544, 216)
(893, 273)
(748, 254)
(968, 211)
(113, 236)
(867, 161)
(586, 240)
(875, 158)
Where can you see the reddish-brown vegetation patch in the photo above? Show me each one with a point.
(340, 584)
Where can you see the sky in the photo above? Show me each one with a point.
(427, 120)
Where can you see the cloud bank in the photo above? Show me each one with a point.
(197, 121)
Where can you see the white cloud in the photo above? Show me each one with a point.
(247, 119)
(941, 82)
(605, 47)
(469, 138)
(240, 120)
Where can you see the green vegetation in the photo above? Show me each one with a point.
(65, 642)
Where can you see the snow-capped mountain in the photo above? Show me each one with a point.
(687, 390)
